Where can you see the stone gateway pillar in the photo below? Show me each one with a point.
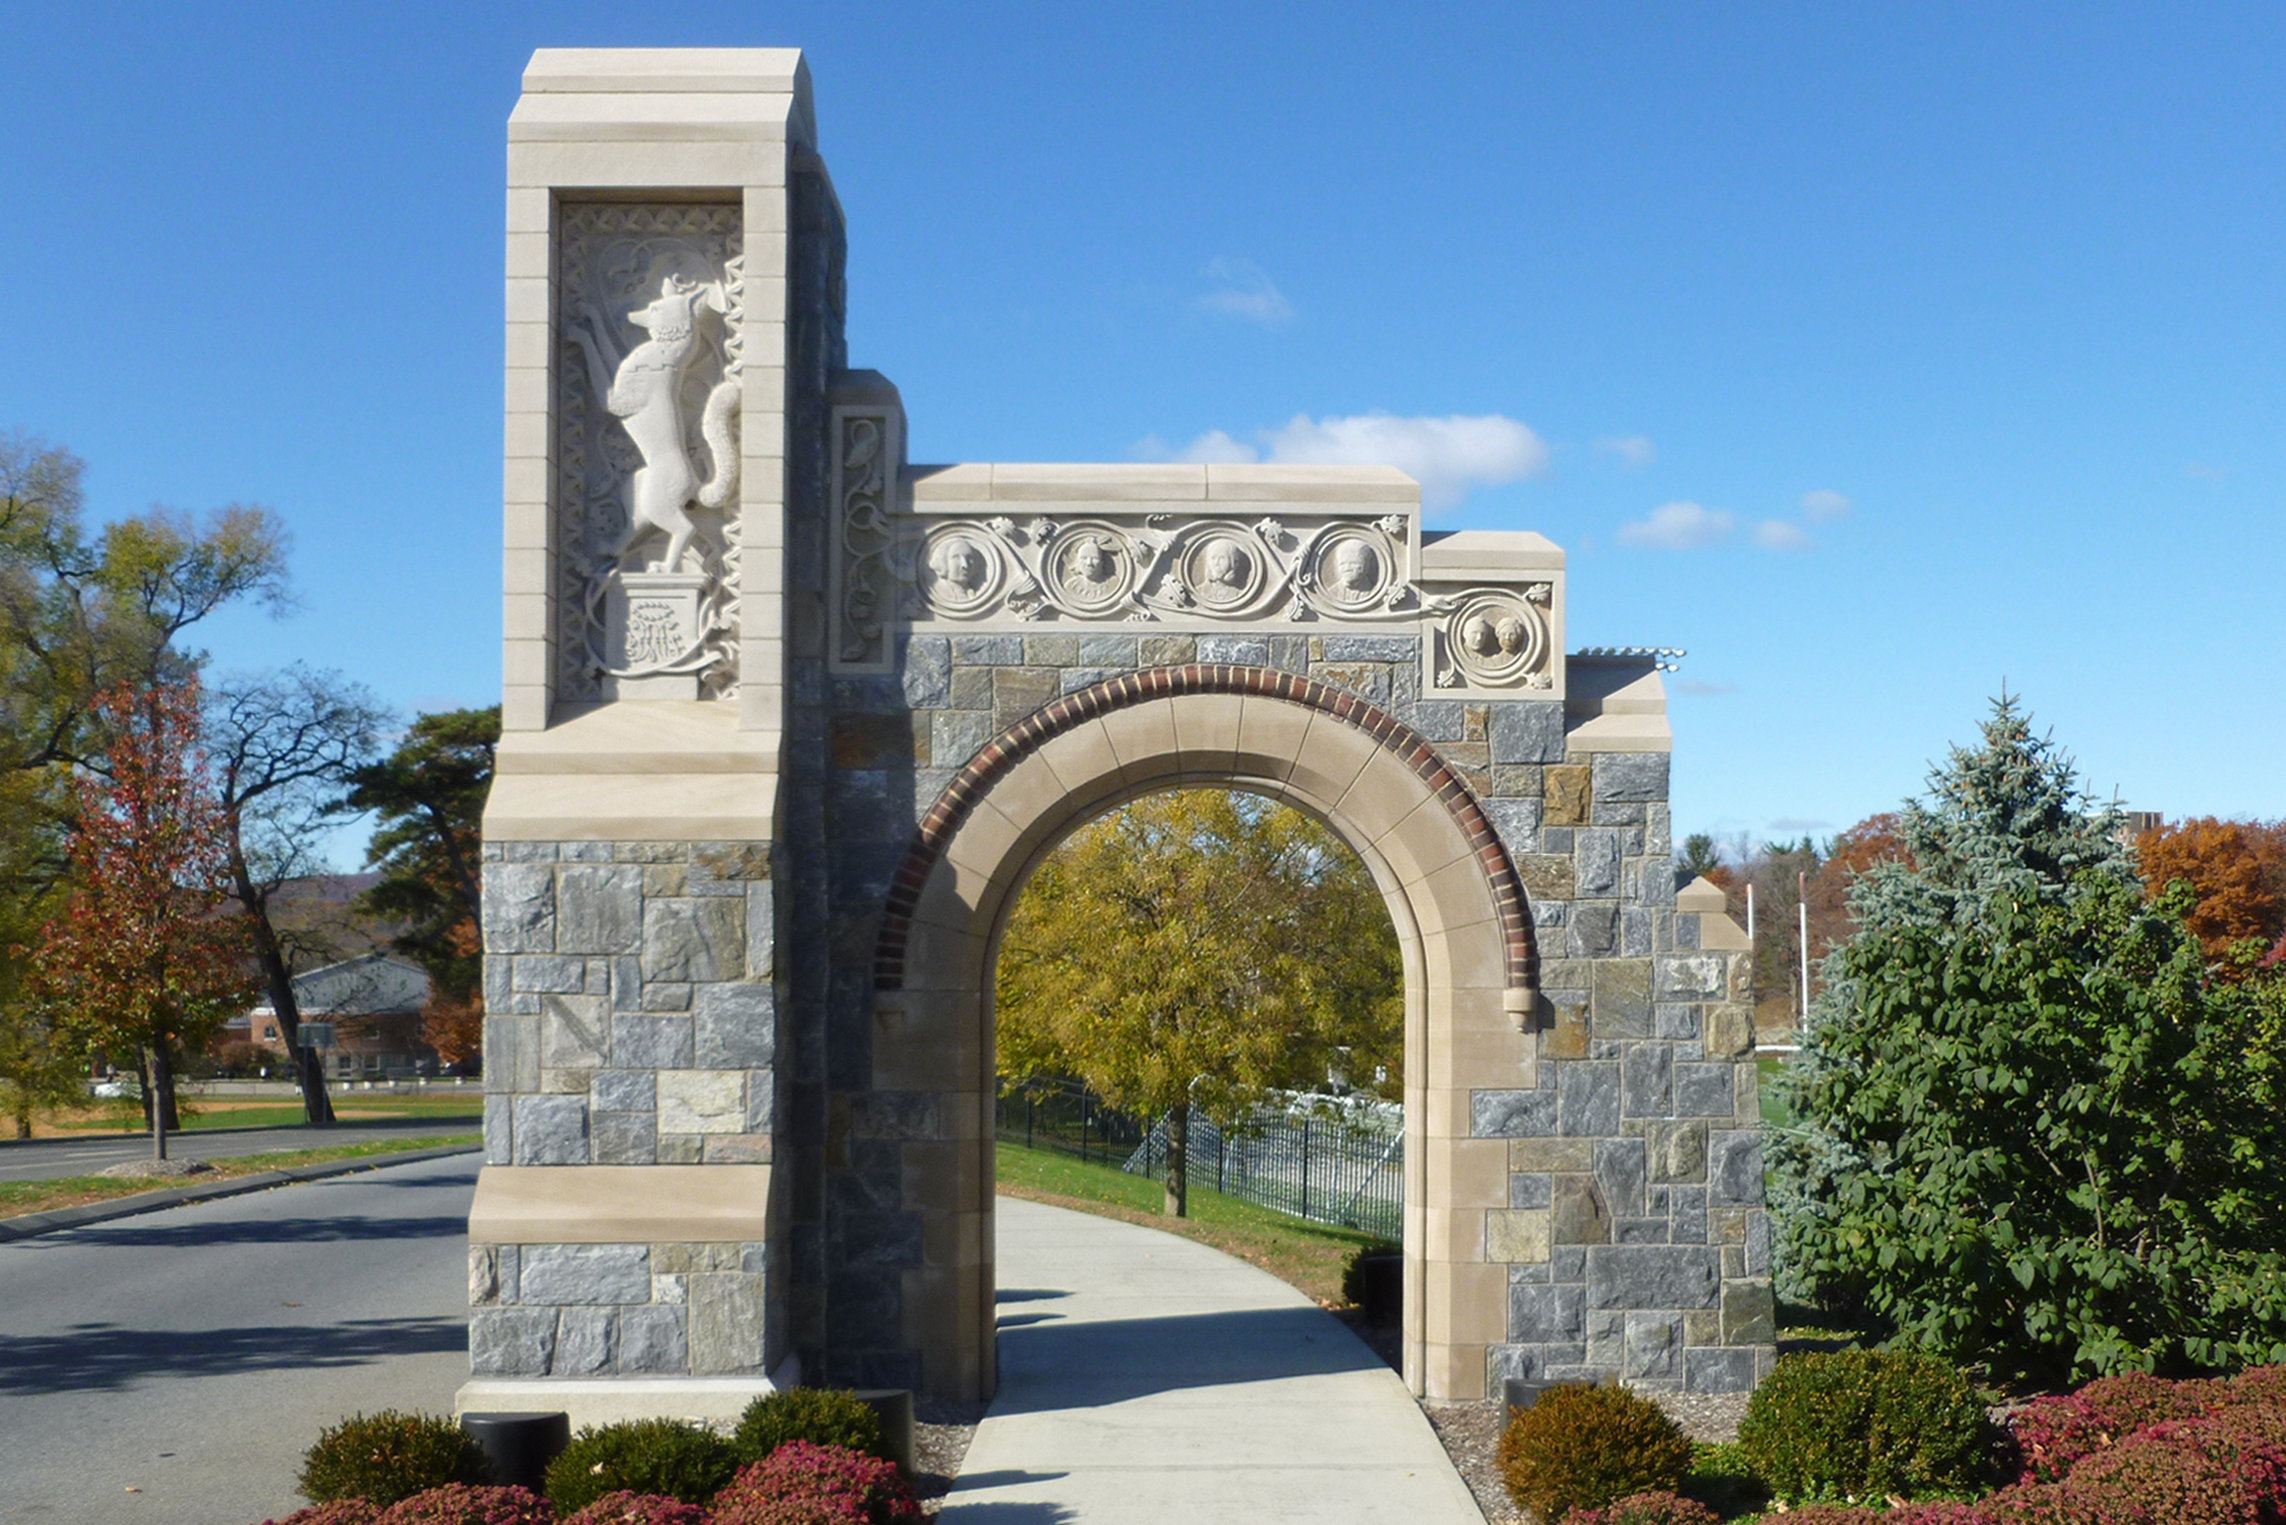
(788, 721)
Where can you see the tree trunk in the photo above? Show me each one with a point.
(23, 1112)
(254, 900)
(162, 1094)
(1179, 1160)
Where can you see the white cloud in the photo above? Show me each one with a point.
(1704, 689)
(1449, 456)
(2204, 472)
(1681, 526)
(1245, 291)
(1778, 535)
(1631, 449)
(1824, 504)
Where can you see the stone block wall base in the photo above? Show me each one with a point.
(713, 1401)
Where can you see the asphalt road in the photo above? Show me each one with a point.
(171, 1368)
(44, 1159)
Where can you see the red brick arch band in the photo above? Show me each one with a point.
(1004, 751)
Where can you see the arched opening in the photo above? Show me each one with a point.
(1452, 897)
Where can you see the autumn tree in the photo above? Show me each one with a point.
(428, 794)
(282, 745)
(1701, 858)
(1190, 951)
(145, 956)
(82, 612)
(2237, 873)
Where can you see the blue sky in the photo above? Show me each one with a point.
(1877, 354)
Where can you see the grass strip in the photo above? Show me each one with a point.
(287, 1114)
(18, 1198)
(1307, 1256)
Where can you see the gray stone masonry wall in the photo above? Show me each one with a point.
(631, 1019)
(1636, 1235)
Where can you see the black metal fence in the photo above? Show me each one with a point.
(1331, 1159)
(1065, 1116)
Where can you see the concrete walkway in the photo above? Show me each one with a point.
(1147, 1378)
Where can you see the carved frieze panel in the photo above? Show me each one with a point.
(650, 306)
(1282, 567)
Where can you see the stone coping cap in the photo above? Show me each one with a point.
(620, 1204)
(773, 71)
(1473, 553)
(640, 736)
(1701, 895)
(1160, 482)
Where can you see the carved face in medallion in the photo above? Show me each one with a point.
(1089, 567)
(1225, 564)
(1354, 567)
(958, 564)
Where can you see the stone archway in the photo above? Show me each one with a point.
(1454, 896)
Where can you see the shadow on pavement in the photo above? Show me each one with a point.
(142, 1233)
(1041, 1364)
(101, 1356)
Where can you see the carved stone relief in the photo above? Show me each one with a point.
(649, 376)
(894, 568)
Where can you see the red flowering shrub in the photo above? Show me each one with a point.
(1833, 1514)
(2258, 1384)
(2168, 1481)
(1655, 1507)
(461, 1504)
(2054, 1433)
(2047, 1504)
(625, 1508)
(339, 1512)
(805, 1484)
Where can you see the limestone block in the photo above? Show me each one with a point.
(551, 1130)
(1512, 1114)
(1639, 1276)
(1588, 1105)
(702, 1101)
(499, 1128)
(1734, 1168)
(657, 1043)
(1517, 1236)
(726, 1324)
(1565, 793)
(1546, 1314)
(599, 909)
(735, 1025)
(1633, 777)
(586, 1274)
(511, 1053)
(575, 1031)
(520, 908)
(653, 1342)
(587, 1339)
(1749, 1315)
(1647, 1076)
(1551, 1154)
(1678, 1151)
(1578, 1214)
(696, 940)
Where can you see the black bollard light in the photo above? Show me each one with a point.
(518, 1447)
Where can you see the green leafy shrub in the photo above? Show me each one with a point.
(460, 1504)
(1723, 1479)
(2031, 1133)
(388, 1456)
(1853, 1424)
(1656, 1507)
(804, 1484)
(661, 1456)
(623, 1508)
(1583, 1447)
(820, 1415)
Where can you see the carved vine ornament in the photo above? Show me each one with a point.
(1151, 567)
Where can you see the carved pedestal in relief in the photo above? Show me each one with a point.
(650, 303)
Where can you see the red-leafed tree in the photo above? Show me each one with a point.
(144, 957)
(2238, 871)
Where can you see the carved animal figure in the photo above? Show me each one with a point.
(643, 390)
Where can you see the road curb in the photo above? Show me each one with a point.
(30, 1225)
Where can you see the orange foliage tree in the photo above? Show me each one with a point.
(2238, 871)
(144, 957)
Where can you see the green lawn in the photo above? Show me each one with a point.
(1774, 1112)
(21, 1197)
(126, 1117)
(1307, 1256)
